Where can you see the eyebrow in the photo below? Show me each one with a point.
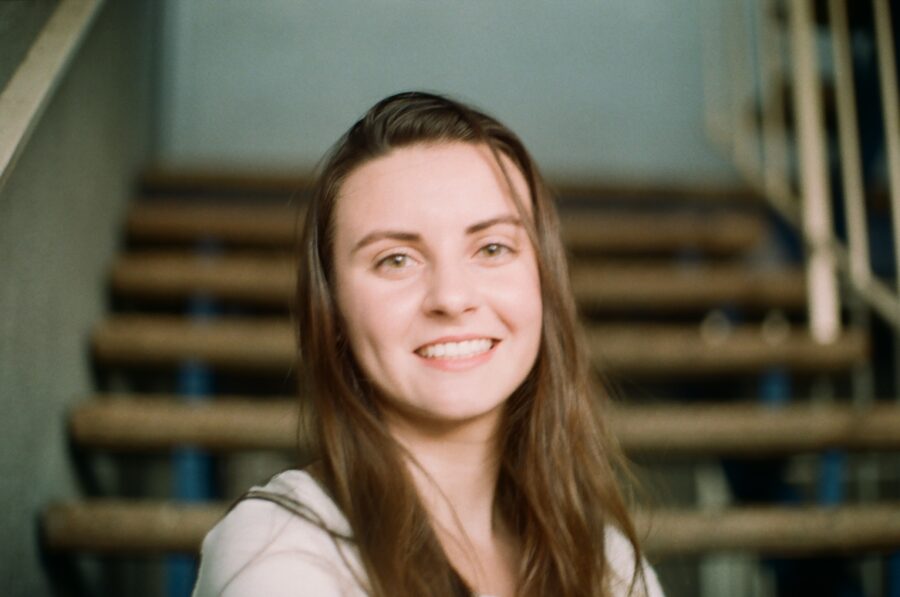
(478, 227)
(404, 236)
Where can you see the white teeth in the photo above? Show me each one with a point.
(456, 350)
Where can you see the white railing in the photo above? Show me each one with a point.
(754, 50)
(26, 95)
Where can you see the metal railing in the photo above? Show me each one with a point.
(28, 92)
(770, 46)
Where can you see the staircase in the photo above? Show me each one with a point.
(688, 318)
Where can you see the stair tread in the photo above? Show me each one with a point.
(227, 423)
(268, 344)
(275, 225)
(265, 280)
(115, 526)
(667, 348)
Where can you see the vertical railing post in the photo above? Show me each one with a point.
(887, 73)
(822, 288)
(848, 131)
(859, 263)
(775, 156)
(715, 110)
(736, 41)
(745, 121)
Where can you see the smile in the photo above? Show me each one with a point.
(456, 350)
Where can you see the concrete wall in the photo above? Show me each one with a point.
(60, 219)
(600, 90)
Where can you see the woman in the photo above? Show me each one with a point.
(460, 449)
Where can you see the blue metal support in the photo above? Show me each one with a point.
(775, 387)
(193, 478)
(893, 580)
(832, 465)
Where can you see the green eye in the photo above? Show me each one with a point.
(395, 261)
(494, 250)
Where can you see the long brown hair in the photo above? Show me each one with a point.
(557, 487)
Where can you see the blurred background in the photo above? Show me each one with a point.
(729, 181)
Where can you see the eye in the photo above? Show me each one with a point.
(495, 250)
(394, 261)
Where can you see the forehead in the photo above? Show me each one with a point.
(426, 185)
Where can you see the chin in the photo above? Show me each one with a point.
(448, 417)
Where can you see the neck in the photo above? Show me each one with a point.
(455, 471)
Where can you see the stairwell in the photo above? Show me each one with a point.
(694, 322)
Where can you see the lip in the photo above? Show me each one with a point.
(456, 363)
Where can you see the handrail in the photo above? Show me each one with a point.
(824, 308)
(808, 208)
(26, 96)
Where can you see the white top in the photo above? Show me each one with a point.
(260, 548)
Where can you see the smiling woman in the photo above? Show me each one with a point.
(460, 450)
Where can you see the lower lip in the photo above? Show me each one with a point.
(460, 364)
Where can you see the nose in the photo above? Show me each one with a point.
(451, 290)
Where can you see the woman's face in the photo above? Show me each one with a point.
(437, 281)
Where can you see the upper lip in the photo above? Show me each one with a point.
(461, 338)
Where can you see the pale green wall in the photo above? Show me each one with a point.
(20, 23)
(600, 89)
(60, 219)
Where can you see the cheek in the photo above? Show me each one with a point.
(353, 305)
(517, 301)
(372, 319)
(524, 293)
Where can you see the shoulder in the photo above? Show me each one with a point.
(620, 555)
(263, 548)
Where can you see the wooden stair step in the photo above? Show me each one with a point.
(254, 344)
(715, 233)
(263, 224)
(254, 279)
(116, 526)
(275, 225)
(265, 280)
(155, 422)
(268, 344)
(119, 527)
(752, 429)
(774, 530)
(129, 422)
(643, 286)
(666, 349)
